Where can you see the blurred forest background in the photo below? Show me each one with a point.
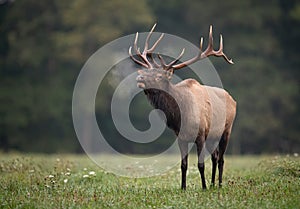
(44, 44)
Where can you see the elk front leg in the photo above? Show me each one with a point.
(183, 146)
(201, 167)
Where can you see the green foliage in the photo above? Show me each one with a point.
(44, 49)
(100, 22)
(41, 181)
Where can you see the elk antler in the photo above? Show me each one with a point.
(146, 52)
(209, 51)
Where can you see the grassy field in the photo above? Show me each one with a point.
(72, 181)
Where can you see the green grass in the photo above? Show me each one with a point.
(57, 181)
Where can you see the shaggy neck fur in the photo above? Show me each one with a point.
(163, 101)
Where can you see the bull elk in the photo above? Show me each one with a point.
(199, 108)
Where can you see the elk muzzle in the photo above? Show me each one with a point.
(140, 81)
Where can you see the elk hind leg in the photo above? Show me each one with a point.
(201, 166)
(214, 160)
(222, 148)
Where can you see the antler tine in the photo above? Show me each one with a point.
(162, 61)
(147, 64)
(220, 52)
(147, 52)
(135, 60)
(156, 43)
(176, 60)
(221, 43)
(209, 51)
(201, 43)
(210, 39)
(137, 50)
(135, 41)
(148, 38)
(153, 60)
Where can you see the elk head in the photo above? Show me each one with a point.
(157, 75)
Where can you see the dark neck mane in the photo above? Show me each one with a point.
(165, 102)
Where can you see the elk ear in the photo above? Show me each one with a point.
(170, 73)
(140, 72)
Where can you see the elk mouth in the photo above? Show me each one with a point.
(141, 85)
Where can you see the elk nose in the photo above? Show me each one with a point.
(140, 78)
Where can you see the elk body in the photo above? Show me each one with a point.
(201, 110)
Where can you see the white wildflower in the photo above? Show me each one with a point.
(65, 181)
(92, 173)
(50, 176)
(85, 176)
(67, 174)
(84, 169)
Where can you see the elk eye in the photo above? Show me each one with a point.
(159, 76)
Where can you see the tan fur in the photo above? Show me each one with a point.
(212, 103)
